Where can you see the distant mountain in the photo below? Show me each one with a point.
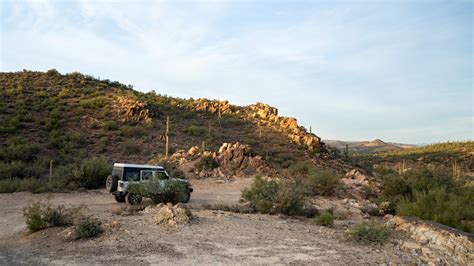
(373, 146)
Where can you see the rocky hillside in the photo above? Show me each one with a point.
(67, 118)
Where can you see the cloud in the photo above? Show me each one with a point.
(325, 64)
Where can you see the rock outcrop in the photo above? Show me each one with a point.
(214, 106)
(435, 243)
(133, 111)
(233, 159)
(360, 185)
(169, 215)
(265, 115)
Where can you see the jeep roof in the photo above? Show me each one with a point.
(131, 165)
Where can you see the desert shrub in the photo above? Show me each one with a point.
(324, 219)
(18, 149)
(232, 122)
(54, 120)
(316, 181)
(196, 130)
(261, 194)
(395, 187)
(88, 228)
(65, 93)
(172, 169)
(290, 198)
(34, 217)
(40, 215)
(370, 232)
(285, 197)
(171, 191)
(3, 108)
(32, 185)
(94, 172)
(110, 125)
(9, 185)
(207, 162)
(322, 182)
(9, 170)
(279, 160)
(131, 147)
(439, 206)
(240, 208)
(132, 131)
(370, 210)
(94, 103)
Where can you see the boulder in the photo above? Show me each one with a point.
(170, 215)
(435, 243)
(132, 111)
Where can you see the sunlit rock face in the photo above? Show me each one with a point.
(435, 243)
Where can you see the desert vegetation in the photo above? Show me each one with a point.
(430, 195)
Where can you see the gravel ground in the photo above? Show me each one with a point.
(212, 237)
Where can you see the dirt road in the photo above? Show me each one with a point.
(212, 237)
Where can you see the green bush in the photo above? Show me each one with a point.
(133, 131)
(289, 199)
(18, 149)
(316, 181)
(9, 185)
(172, 169)
(370, 210)
(40, 215)
(88, 228)
(94, 103)
(324, 219)
(269, 196)
(261, 194)
(32, 185)
(131, 147)
(207, 163)
(12, 169)
(171, 191)
(370, 232)
(110, 125)
(439, 206)
(94, 172)
(196, 130)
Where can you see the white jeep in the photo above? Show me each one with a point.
(123, 174)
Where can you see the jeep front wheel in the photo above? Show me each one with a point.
(186, 197)
(133, 199)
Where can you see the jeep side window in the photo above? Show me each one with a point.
(132, 176)
(161, 175)
(146, 175)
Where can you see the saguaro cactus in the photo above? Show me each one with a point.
(167, 136)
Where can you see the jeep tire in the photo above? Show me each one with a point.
(186, 197)
(111, 183)
(133, 199)
(119, 198)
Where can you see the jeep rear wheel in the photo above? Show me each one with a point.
(111, 183)
(119, 198)
(133, 199)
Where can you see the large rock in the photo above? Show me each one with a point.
(360, 185)
(435, 243)
(169, 215)
(213, 106)
(133, 111)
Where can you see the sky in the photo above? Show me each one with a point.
(400, 71)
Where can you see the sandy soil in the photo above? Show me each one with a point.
(212, 237)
